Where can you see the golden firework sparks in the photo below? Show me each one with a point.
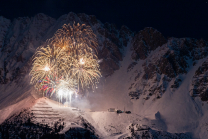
(70, 57)
(77, 39)
(47, 61)
(85, 70)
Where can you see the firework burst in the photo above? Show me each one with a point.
(49, 85)
(48, 61)
(68, 83)
(74, 36)
(85, 70)
(80, 43)
(68, 62)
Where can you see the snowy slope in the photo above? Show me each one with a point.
(20, 38)
(47, 115)
(163, 82)
(179, 110)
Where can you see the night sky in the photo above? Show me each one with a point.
(177, 18)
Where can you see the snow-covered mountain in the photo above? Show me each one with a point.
(164, 81)
(20, 38)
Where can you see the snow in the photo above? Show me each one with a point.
(22, 102)
(174, 116)
(175, 112)
(112, 91)
(105, 124)
(178, 111)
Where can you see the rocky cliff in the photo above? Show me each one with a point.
(163, 62)
(20, 38)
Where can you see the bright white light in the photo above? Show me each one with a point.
(81, 61)
(70, 92)
(65, 93)
(46, 68)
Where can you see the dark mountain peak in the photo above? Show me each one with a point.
(19, 40)
(89, 20)
(41, 16)
(167, 65)
(146, 41)
(126, 30)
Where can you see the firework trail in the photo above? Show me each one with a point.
(66, 88)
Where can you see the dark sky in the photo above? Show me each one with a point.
(177, 18)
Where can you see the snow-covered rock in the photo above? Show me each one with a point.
(20, 38)
(164, 81)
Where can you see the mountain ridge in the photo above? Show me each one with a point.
(144, 72)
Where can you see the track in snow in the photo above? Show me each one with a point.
(44, 113)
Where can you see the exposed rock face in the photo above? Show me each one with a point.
(113, 42)
(143, 131)
(165, 67)
(146, 41)
(4, 26)
(20, 38)
(164, 62)
(200, 82)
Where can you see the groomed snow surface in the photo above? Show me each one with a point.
(45, 116)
